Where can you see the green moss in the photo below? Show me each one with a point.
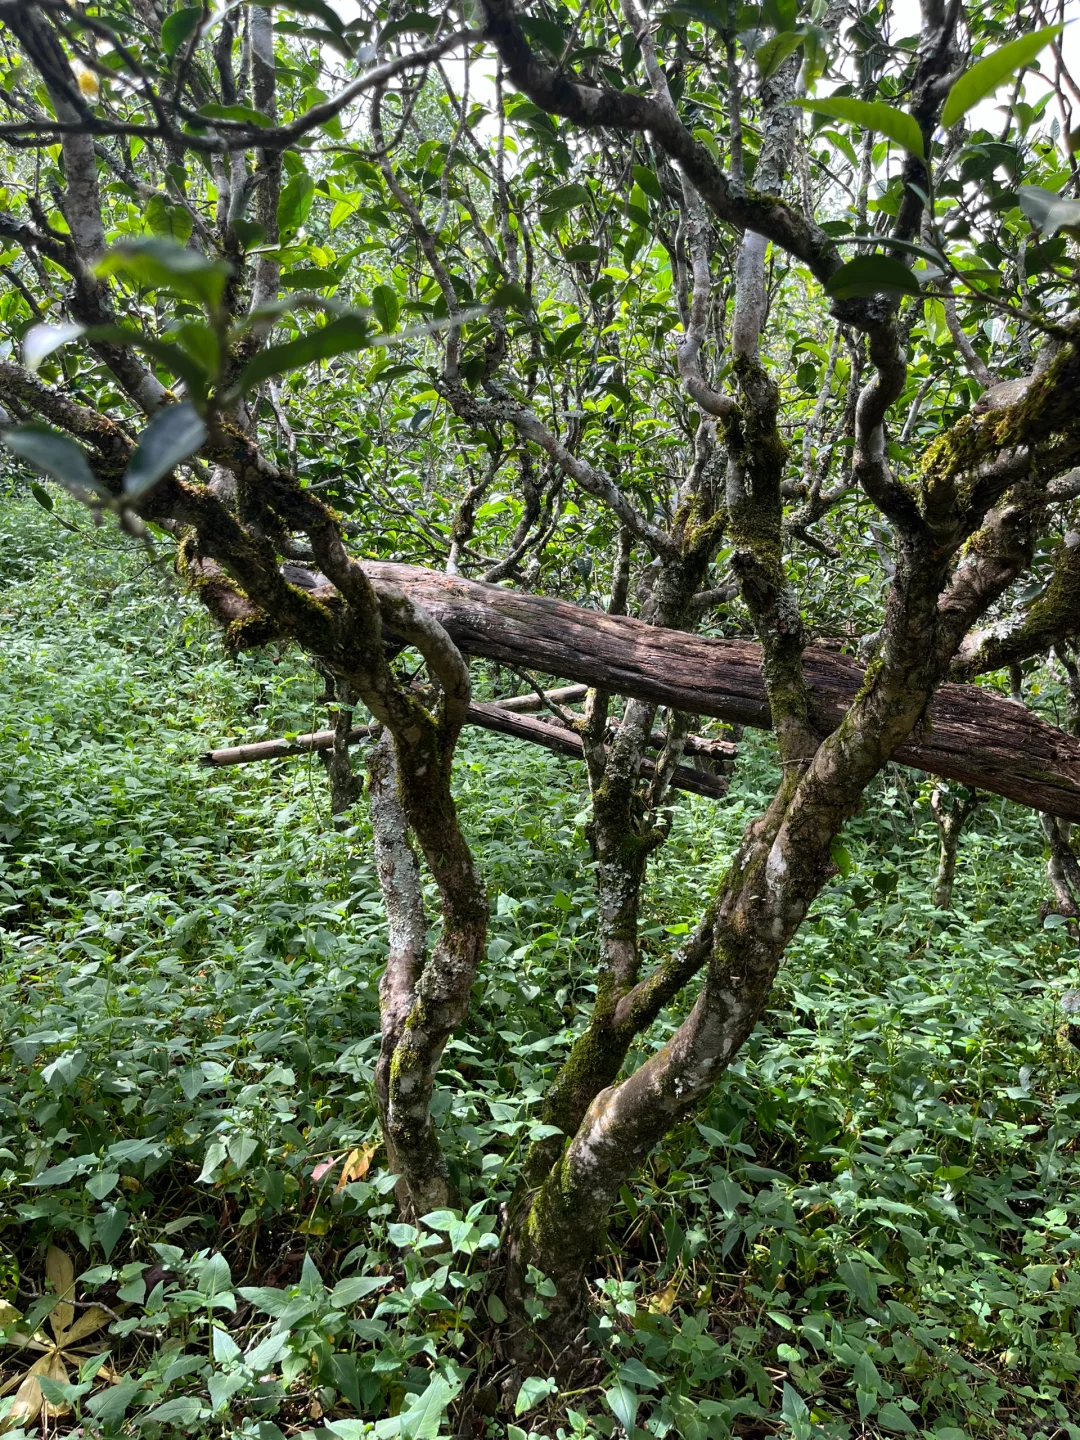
(249, 632)
(1057, 611)
(1049, 406)
(869, 680)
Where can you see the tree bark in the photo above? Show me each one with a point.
(951, 813)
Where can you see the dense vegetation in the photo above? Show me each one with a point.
(357, 369)
(874, 1218)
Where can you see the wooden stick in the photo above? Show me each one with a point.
(526, 704)
(488, 717)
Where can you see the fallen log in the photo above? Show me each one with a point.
(488, 717)
(971, 734)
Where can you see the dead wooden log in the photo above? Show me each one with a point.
(488, 717)
(971, 734)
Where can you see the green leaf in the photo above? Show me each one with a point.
(891, 1417)
(309, 278)
(224, 1346)
(510, 297)
(55, 456)
(100, 1184)
(859, 1282)
(347, 332)
(347, 1292)
(873, 115)
(318, 8)
(635, 1373)
(387, 307)
(242, 114)
(424, 1417)
(172, 356)
(65, 1171)
(295, 202)
(41, 340)
(170, 222)
(564, 197)
(646, 178)
(402, 1234)
(816, 44)
(781, 14)
(60, 1392)
(1043, 208)
(622, 1401)
(175, 432)
(164, 265)
(109, 1225)
(872, 275)
(242, 1147)
(110, 1405)
(545, 33)
(266, 1298)
(992, 70)
(222, 1386)
(416, 20)
(533, 1390)
(840, 857)
(891, 242)
(267, 1352)
(182, 1411)
(715, 16)
(216, 1277)
(795, 1411)
(248, 232)
(41, 495)
(177, 27)
(774, 52)
(867, 1376)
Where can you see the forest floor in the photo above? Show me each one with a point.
(870, 1231)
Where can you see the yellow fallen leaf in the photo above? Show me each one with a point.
(665, 1299)
(60, 1272)
(357, 1164)
(55, 1369)
(27, 1406)
(88, 1322)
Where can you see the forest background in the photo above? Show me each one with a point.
(866, 1223)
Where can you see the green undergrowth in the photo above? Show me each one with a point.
(870, 1230)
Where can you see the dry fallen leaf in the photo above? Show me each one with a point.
(664, 1299)
(67, 1332)
(357, 1164)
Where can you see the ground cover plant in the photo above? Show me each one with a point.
(879, 1208)
(720, 360)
